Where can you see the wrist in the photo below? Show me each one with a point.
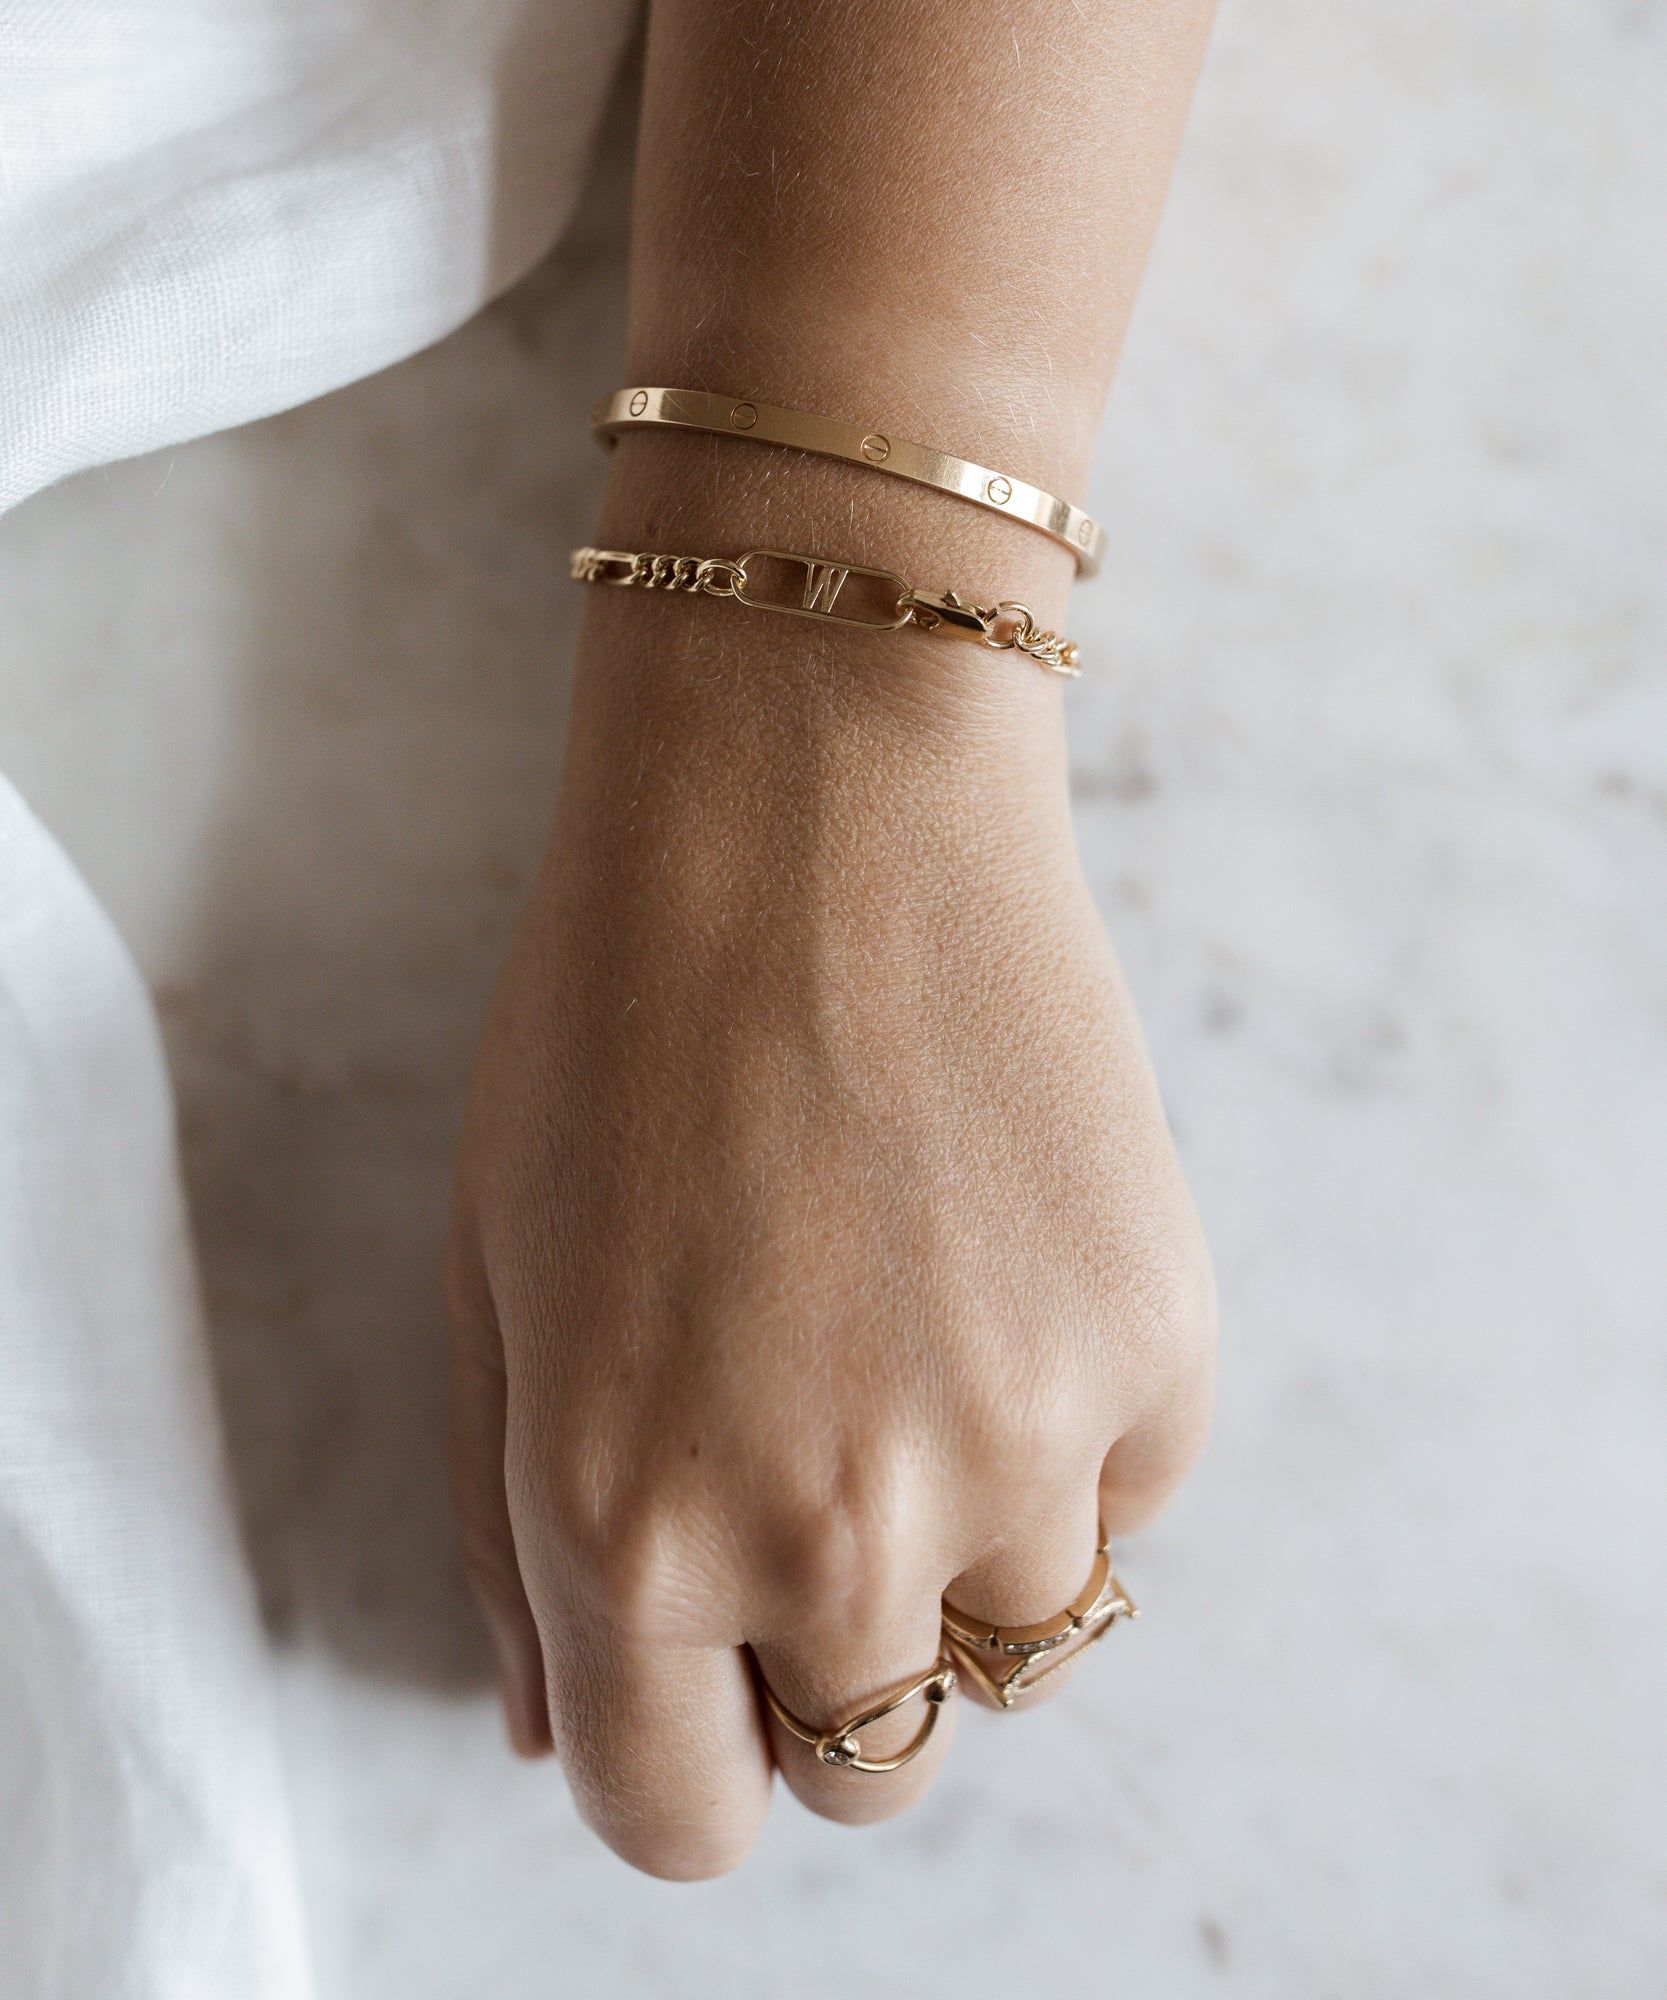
(755, 812)
(702, 726)
(688, 707)
(686, 493)
(724, 743)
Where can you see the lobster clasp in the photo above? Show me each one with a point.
(932, 609)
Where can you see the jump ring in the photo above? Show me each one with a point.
(1019, 616)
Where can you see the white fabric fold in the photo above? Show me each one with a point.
(144, 1843)
(213, 209)
(209, 210)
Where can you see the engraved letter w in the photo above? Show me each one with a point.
(823, 582)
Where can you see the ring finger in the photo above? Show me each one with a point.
(1046, 1562)
(829, 1678)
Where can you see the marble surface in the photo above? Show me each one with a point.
(1372, 781)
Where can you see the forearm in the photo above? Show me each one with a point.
(931, 211)
(928, 216)
(820, 1245)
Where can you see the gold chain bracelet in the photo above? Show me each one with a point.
(881, 602)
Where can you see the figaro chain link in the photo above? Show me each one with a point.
(812, 587)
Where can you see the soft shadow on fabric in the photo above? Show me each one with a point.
(399, 701)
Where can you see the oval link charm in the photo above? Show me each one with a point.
(820, 586)
(841, 1745)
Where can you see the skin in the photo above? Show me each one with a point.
(820, 1247)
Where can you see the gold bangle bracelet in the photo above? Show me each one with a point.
(812, 587)
(831, 437)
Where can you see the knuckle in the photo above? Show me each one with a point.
(1173, 1298)
(609, 1524)
(1165, 1284)
(1169, 1333)
(585, 1511)
(850, 1539)
(1035, 1425)
(1045, 1426)
(626, 1572)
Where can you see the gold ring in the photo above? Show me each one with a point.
(839, 1746)
(1008, 1661)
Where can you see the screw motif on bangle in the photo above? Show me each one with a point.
(832, 437)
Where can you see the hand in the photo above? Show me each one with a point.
(820, 1246)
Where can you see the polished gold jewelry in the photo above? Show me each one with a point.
(831, 437)
(1008, 1661)
(840, 1745)
(813, 587)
